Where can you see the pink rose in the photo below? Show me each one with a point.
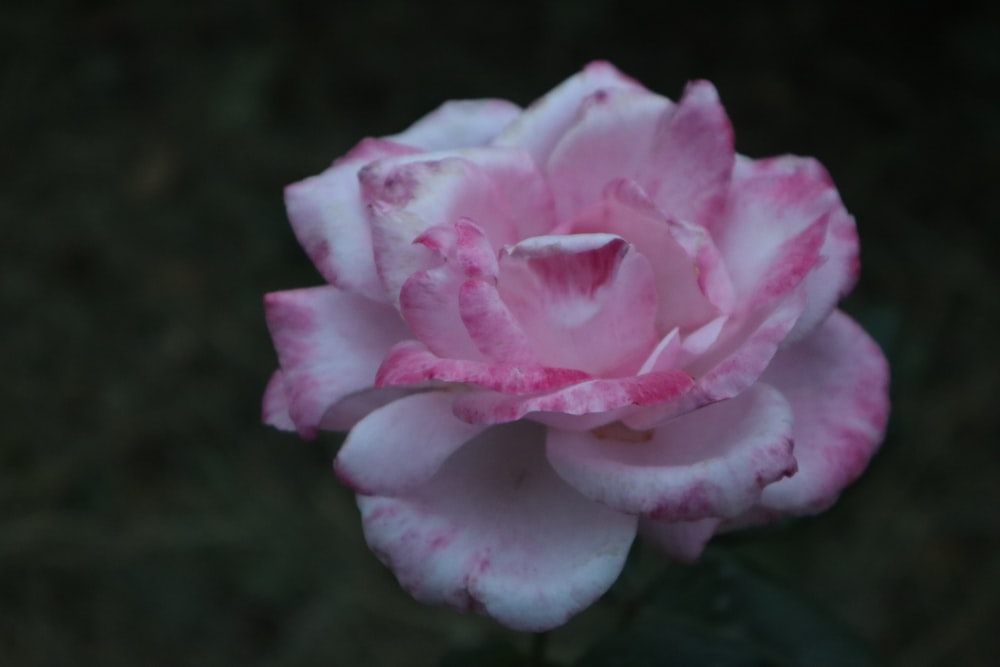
(548, 329)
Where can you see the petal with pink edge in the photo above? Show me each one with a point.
(401, 446)
(411, 363)
(692, 283)
(781, 215)
(602, 398)
(329, 343)
(543, 123)
(429, 299)
(585, 301)
(497, 532)
(459, 124)
(682, 540)
(713, 462)
(501, 190)
(329, 219)
(733, 362)
(692, 158)
(837, 381)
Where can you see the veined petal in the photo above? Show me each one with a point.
(497, 532)
(541, 125)
(402, 445)
(329, 220)
(712, 462)
(329, 343)
(459, 124)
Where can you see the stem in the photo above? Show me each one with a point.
(538, 645)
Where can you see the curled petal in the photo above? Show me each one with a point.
(329, 343)
(401, 446)
(459, 123)
(692, 283)
(497, 532)
(585, 301)
(274, 411)
(329, 219)
(713, 462)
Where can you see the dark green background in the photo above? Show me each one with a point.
(146, 518)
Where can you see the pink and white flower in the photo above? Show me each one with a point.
(547, 330)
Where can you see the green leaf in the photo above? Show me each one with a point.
(724, 613)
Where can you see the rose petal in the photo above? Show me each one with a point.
(329, 343)
(682, 540)
(458, 124)
(429, 299)
(733, 363)
(330, 222)
(541, 125)
(585, 301)
(603, 397)
(837, 381)
(496, 531)
(351, 409)
(500, 190)
(712, 462)
(411, 363)
(610, 139)
(692, 158)
(691, 279)
(274, 411)
(772, 203)
(401, 446)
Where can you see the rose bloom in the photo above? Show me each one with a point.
(550, 329)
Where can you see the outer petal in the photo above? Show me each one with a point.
(330, 343)
(501, 190)
(329, 220)
(459, 124)
(712, 462)
(837, 381)
(781, 216)
(542, 124)
(683, 540)
(586, 301)
(401, 446)
(496, 531)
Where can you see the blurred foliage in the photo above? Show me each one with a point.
(145, 515)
